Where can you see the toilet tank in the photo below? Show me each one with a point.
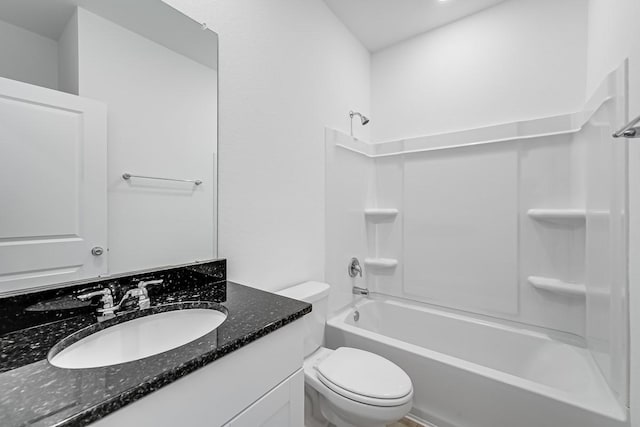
(317, 294)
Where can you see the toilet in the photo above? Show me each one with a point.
(346, 387)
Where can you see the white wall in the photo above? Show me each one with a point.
(28, 57)
(162, 111)
(68, 57)
(519, 60)
(612, 37)
(288, 68)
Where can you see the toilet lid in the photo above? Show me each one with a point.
(365, 374)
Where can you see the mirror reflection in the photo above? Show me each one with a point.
(108, 139)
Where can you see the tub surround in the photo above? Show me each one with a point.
(33, 392)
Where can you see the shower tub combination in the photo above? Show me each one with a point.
(476, 373)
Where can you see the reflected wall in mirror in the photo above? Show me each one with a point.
(91, 90)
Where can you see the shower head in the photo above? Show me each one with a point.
(363, 119)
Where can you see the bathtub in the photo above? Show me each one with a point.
(468, 372)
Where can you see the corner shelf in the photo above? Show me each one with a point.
(557, 286)
(380, 263)
(380, 214)
(557, 215)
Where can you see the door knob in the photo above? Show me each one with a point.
(97, 251)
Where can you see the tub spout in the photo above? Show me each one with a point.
(360, 291)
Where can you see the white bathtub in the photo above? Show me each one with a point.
(474, 373)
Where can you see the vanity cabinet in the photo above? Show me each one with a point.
(260, 384)
(281, 407)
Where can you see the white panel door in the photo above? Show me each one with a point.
(53, 199)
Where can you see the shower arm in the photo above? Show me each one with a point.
(351, 114)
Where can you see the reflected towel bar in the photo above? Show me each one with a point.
(128, 176)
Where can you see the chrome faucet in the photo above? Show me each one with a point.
(108, 309)
(354, 268)
(106, 298)
(360, 291)
(143, 295)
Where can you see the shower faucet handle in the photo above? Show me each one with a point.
(354, 268)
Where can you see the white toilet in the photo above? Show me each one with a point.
(346, 387)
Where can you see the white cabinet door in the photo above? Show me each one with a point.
(53, 199)
(281, 407)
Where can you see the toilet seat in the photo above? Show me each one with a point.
(365, 378)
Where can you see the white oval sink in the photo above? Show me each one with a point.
(138, 338)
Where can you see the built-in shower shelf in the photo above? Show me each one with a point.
(557, 215)
(380, 263)
(557, 286)
(381, 214)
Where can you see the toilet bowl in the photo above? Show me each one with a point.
(358, 388)
(346, 387)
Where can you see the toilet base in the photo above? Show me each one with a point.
(335, 420)
(313, 416)
(369, 417)
(323, 407)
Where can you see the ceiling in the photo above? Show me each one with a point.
(149, 18)
(381, 23)
(47, 18)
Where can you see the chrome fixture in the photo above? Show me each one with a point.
(97, 251)
(140, 293)
(108, 309)
(106, 298)
(127, 176)
(630, 130)
(354, 268)
(356, 315)
(363, 119)
(143, 295)
(360, 291)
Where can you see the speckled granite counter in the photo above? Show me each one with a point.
(33, 392)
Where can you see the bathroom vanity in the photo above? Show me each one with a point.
(246, 372)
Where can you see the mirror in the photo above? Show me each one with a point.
(108, 140)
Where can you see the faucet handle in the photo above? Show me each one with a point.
(105, 297)
(354, 268)
(144, 301)
(144, 283)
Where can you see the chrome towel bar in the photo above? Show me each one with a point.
(630, 130)
(127, 176)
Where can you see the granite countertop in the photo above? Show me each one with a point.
(34, 392)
